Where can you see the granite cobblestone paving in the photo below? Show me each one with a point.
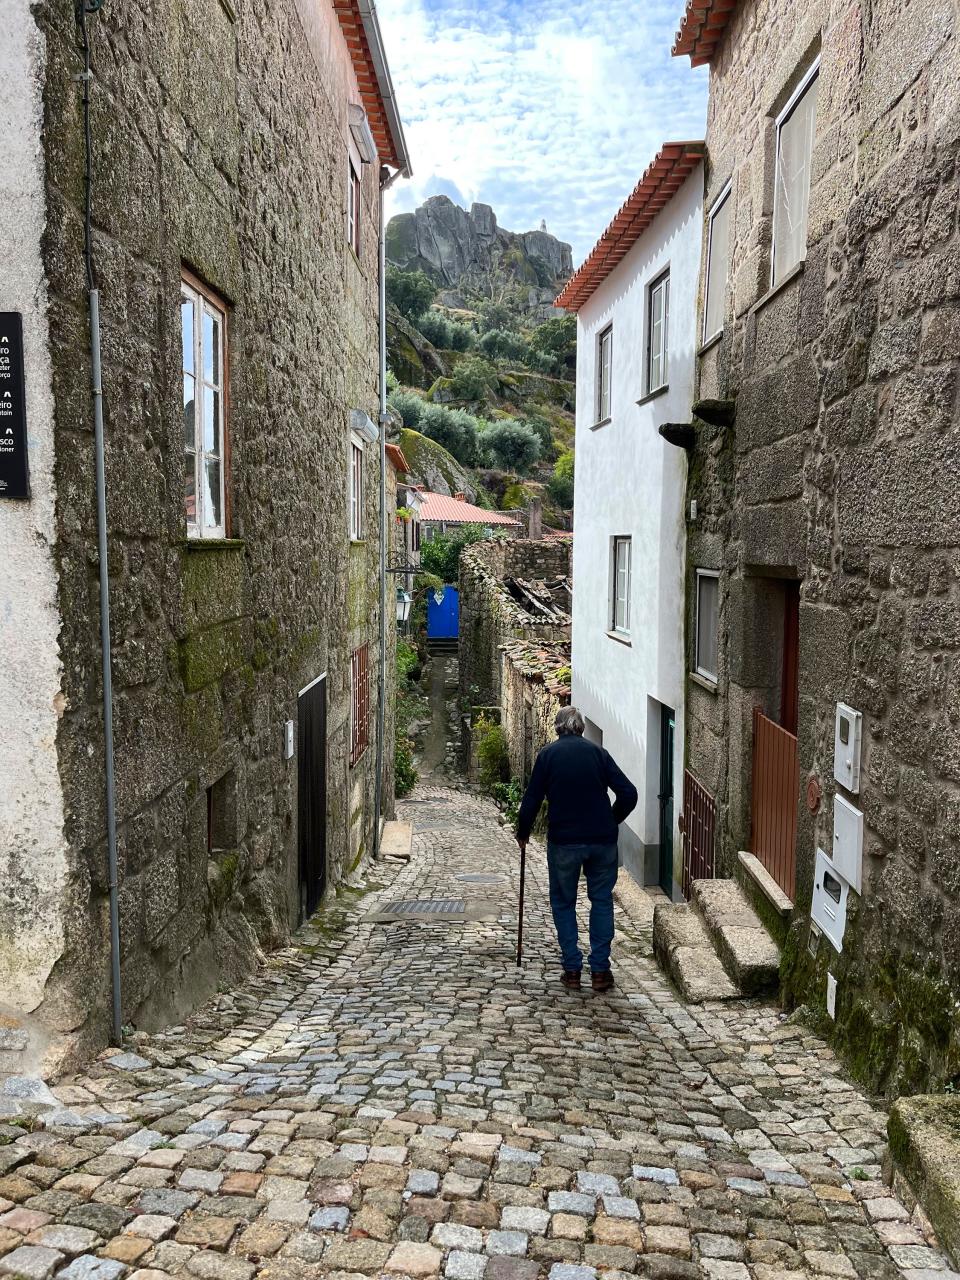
(398, 1098)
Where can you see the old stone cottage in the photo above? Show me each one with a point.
(823, 544)
(236, 160)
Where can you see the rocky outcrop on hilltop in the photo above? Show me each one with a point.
(462, 249)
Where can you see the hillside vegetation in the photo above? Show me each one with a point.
(481, 366)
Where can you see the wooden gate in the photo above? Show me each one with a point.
(776, 785)
(699, 832)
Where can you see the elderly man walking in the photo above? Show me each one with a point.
(575, 777)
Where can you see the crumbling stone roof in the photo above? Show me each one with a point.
(546, 662)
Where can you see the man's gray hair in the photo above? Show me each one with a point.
(569, 720)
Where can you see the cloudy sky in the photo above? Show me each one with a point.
(541, 108)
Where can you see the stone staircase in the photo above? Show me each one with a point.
(715, 947)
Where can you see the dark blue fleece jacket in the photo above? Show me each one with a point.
(574, 776)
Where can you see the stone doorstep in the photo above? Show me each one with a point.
(396, 840)
(764, 881)
(746, 950)
(683, 950)
(924, 1134)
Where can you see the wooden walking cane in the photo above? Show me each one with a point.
(523, 874)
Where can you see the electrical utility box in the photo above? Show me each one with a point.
(848, 842)
(846, 748)
(829, 907)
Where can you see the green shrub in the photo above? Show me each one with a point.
(473, 378)
(411, 292)
(495, 315)
(500, 344)
(441, 555)
(405, 775)
(409, 405)
(408, 661)
(557, 338)
(512, 444)
(508, 796)
(454, 429)
(561, 482)
(493, 758)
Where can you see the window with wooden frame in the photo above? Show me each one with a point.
(359, 703)
(620, 581)
(658, 320)
(796, 128)
(203, 327)
(354, 191)
(706, 656)
(604, 371)
(356, 489)
(718, 266)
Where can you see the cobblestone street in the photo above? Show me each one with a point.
(395, 1096)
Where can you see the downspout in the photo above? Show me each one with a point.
(85, 7)
(386, 181)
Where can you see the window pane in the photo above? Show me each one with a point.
(792, 189)
(212, 494)
(189, 412)
(665, 335)
(186, 328)
(211, 420)
(708, 594)
(718, 257)
(190, 488)
(211, 347)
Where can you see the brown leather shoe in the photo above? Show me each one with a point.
(602, 981)
(571, 978)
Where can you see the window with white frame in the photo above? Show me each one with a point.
(658, 320)
(353, 205)
(604, 370)
(708, 624)
(355, 496)
(203, 323)
(718, 266)
(796, 126)
(620, 578)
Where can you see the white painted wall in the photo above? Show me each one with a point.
(631, 482)
(33, 849)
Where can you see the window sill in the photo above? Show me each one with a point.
(778, 288)
(620, 638)
(652, 395)
(710, 343)
(604, 422)
(213, 544)
(704, 682)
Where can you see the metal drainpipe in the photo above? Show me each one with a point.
(385, 183)
(85, 7)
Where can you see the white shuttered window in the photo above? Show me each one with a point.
(203, 328)
(620, 574)
(791, 197)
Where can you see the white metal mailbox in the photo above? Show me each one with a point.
(846, 747)
(829, 909)
(848, 842)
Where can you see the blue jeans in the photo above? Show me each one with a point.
(599, 865)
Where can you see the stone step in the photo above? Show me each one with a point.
(746, 950)
(684, 951)
(397, 841)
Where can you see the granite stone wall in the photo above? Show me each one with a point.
(219, 144)
(837, 474)
(534, 685)
(489, 616)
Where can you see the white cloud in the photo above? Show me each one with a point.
(538, 108)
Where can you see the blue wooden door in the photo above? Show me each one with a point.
(443, 619)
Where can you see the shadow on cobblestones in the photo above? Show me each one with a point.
(400, 1098)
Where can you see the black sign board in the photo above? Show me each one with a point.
(14, 476)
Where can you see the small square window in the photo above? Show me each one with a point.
(203, 324)
(620, 583)
(796, 128)
(658, 318)
(604, 371)
(708, 624)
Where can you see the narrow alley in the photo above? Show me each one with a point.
(392, 1094)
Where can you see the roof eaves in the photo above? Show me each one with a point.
(661, 180)
(701, 29)
(361, 31)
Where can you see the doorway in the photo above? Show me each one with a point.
(668, 726)
(312, 793)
